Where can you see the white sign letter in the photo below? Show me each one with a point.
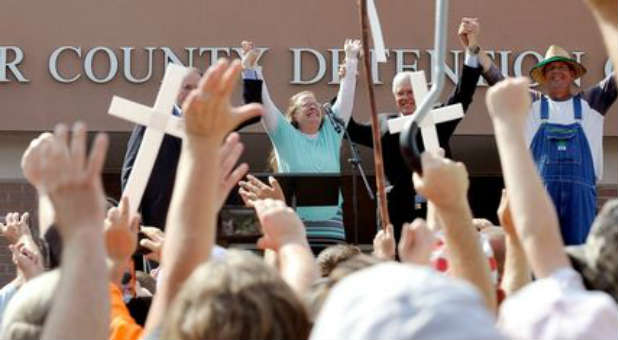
(113, 64)
(128, 75)
(12, 66)
(520, 59)
(298, 69)
(53, 63)
(400, 57)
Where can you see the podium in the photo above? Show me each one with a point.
(301, 189)
(238, 223)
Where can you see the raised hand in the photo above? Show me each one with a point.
(29, 263)
(74, 181)
(469, 30)
(280, 225)
(509, 102)
(254, 189)
(606, 9)
(121, 232)
(154, 242)
(229, 154)
(249, 55)
(417, 242)
(384, 244)
(207, 109)
(33, 156)
(444, 182)
(352, 48)
(14, 226)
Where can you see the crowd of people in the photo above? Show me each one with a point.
(548, 271)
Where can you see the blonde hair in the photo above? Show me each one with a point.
(239, 297)
(25, 315)
(293, 106)
(272, 161)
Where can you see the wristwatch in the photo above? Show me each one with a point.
(474, 49)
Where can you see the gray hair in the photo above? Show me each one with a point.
(400, 77)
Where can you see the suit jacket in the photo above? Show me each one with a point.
(158, 194)
(395, 168)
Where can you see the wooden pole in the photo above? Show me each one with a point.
(375, 127)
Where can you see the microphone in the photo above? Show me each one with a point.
(337, 122)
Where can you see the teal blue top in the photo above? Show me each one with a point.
(298, 152)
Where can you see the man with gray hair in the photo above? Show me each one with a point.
(401, 194)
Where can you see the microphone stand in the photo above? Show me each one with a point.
(355, 161)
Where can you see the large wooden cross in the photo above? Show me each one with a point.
(428, 124)
(158, 121)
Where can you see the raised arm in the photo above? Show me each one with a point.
(31, 169)
(535, 220)
(445, 184)
(606, 14)
(360, 133)
(195, 203)
(252, 73)
(469, 33)
(80, 309)
(516, 273)
(284, 233)
(345, 97)
(121, 241)
(463, 93)
(601, 96)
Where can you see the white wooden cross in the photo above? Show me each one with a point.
(428, 124)
(158, 121)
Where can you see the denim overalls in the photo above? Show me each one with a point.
(564, 161)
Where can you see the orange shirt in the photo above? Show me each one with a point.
(123, 326)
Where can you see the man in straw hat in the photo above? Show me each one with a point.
(564, 131)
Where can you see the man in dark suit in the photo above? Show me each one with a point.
(401, 194)
(158, 194)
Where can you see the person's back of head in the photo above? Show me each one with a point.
(330, 257)
(403, 301)
(321, 288)
(239, 297)
(26, 313)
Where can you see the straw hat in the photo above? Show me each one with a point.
(555, 53)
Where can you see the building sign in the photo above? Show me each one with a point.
(120, 62)
(67, 60)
